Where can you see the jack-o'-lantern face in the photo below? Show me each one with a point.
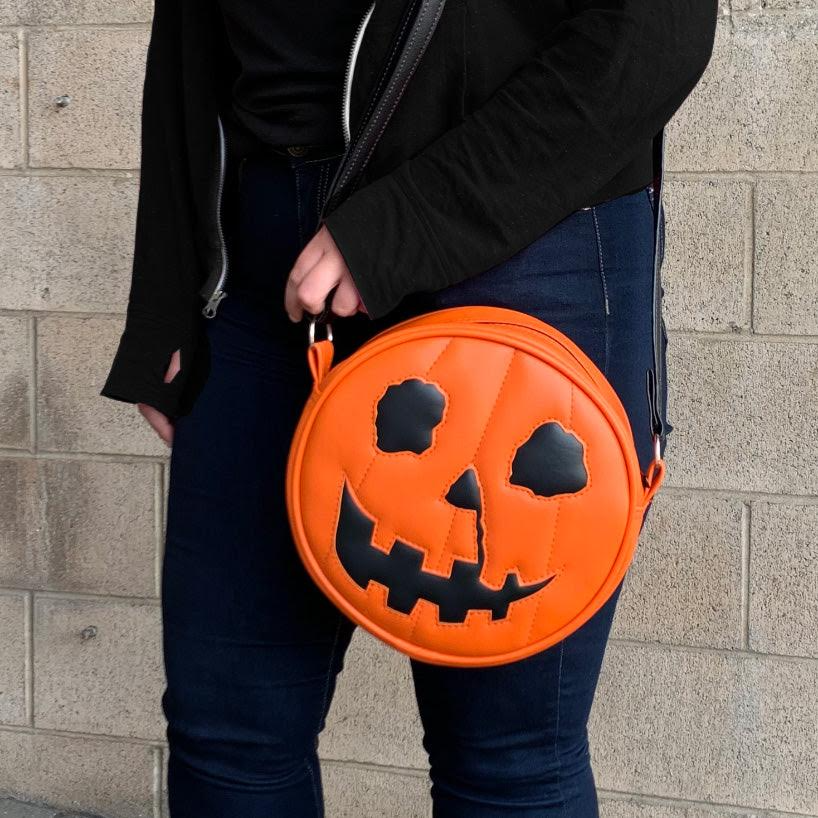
(548, 463)
(446, 489)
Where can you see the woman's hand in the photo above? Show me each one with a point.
(158, 421)
(318, 269)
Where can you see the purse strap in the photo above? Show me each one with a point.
(412, 42)
(655, 376)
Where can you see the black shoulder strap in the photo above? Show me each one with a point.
(415, 40)
(655, 377)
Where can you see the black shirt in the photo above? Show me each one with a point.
(292, 58)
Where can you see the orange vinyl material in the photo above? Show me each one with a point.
(500, 375)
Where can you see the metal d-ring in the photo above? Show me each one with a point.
(311, 329)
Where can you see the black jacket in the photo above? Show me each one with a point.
(519, 113)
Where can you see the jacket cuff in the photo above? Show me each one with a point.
(138, 369)
(389, 248)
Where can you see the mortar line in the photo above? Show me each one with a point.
(74, 314)
(739, 494)
(92, 457)
(743, 175)
(750, 256)
(28, 667)
(47, 28)
(33, 429)
(746, 523)
(157, 782)
(670, 801)
(58, 172)
(410, 772)
(158, 494)
(78, 173)
(134, 741)
(797, 339)
(81, 596)
(22, 57)
(725, 653)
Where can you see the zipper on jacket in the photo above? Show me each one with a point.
(350, 70)
(218, 293)
(215, 295)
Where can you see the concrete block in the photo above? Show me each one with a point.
(98, 667)
(74, 12)
(749, 112)
(102, 70)
(374, 713)
(708, 727)
(744, 413)
(784, 578)
(105, 777)
(10, 153)
(786, 265)
(684, 585)
(74, 356)
(68, 242)
(15, 382)
(12, 659)
(705, 270)
(78, 526)
(367, 792)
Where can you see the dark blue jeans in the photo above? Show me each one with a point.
(251, 647)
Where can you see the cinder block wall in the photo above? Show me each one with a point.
(709, 703)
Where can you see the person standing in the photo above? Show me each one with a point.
(518, 170)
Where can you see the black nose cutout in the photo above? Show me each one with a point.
(465, 491)
(407, 415)
(550, 462)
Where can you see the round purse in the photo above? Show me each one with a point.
(466, 486)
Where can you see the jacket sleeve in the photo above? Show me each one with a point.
(163, 303)
(607, 79)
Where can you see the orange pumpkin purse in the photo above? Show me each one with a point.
(466, 486)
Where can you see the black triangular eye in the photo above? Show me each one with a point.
(550, 462)
(407, 415)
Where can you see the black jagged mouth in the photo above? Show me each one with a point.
(401, 571)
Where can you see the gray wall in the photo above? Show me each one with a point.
(709, 701)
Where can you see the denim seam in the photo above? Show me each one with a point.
(333, 650)
(649, 193)
(604, 280)
(557, 728)
(322, 713)
(319, 807)
(319, 192)
(298, 207)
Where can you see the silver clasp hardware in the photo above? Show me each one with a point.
(311, 330)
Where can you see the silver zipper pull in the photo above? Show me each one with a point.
(209, 309)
